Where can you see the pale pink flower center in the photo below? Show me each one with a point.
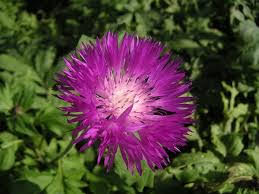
(121, 93)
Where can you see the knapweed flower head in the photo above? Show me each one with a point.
(127, 96)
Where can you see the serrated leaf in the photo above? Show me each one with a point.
(145, 180)
(187, 159)
(73, 186)
(184, 43)
(195, 136)
(73, 167)
(240, 109)
(126, 18)
(66, 181)
(97, 183)
(24, 72)
(249, 31)
(187, 175)
(8, 147)
(56, 185)
(215, 136)
(236, 14)
(6, 21)
(233, 143)
(23, 124)
(90, 155)
(44, 60)
(51, 149)
(240, 171)
(254, 156)
(6, 103)
(10, 63)
(41, 179)
(26, 94)
(194, 166)
(247, 191)
(51, 118)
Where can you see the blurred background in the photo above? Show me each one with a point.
(217, 39)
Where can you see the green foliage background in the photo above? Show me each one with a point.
(219, 41)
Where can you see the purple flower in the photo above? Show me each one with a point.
(129, 96)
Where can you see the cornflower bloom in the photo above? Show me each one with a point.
(128, 96)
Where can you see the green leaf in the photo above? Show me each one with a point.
(197, 158)
(90, 155)
(51, 119)
(229, 104)
(236, 14)
(216, 140)
(11, 63)
(98, 182)
(84, 39)
(66, 181)
(57, 184)
(126, 18)
(247, 191)
(241, 171)
(73, 186)
(8, 147)
(187, 175)
(190, 167)
(184, 43)
(41, 179)
(233, 143)
(23, 124)
(145, 180)
(44, 60)
(6, 103)
(73, 167)
(253, 155)
(17, 65)
(51, 149)
(194, 136)
(249, 32)
(240, 109)
(27, 95)
(6, 21)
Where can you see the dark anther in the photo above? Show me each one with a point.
(108, 117)
(162, 112)
(100, 106)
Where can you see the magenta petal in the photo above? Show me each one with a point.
(129, 95)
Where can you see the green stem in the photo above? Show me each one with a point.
(62, 154)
